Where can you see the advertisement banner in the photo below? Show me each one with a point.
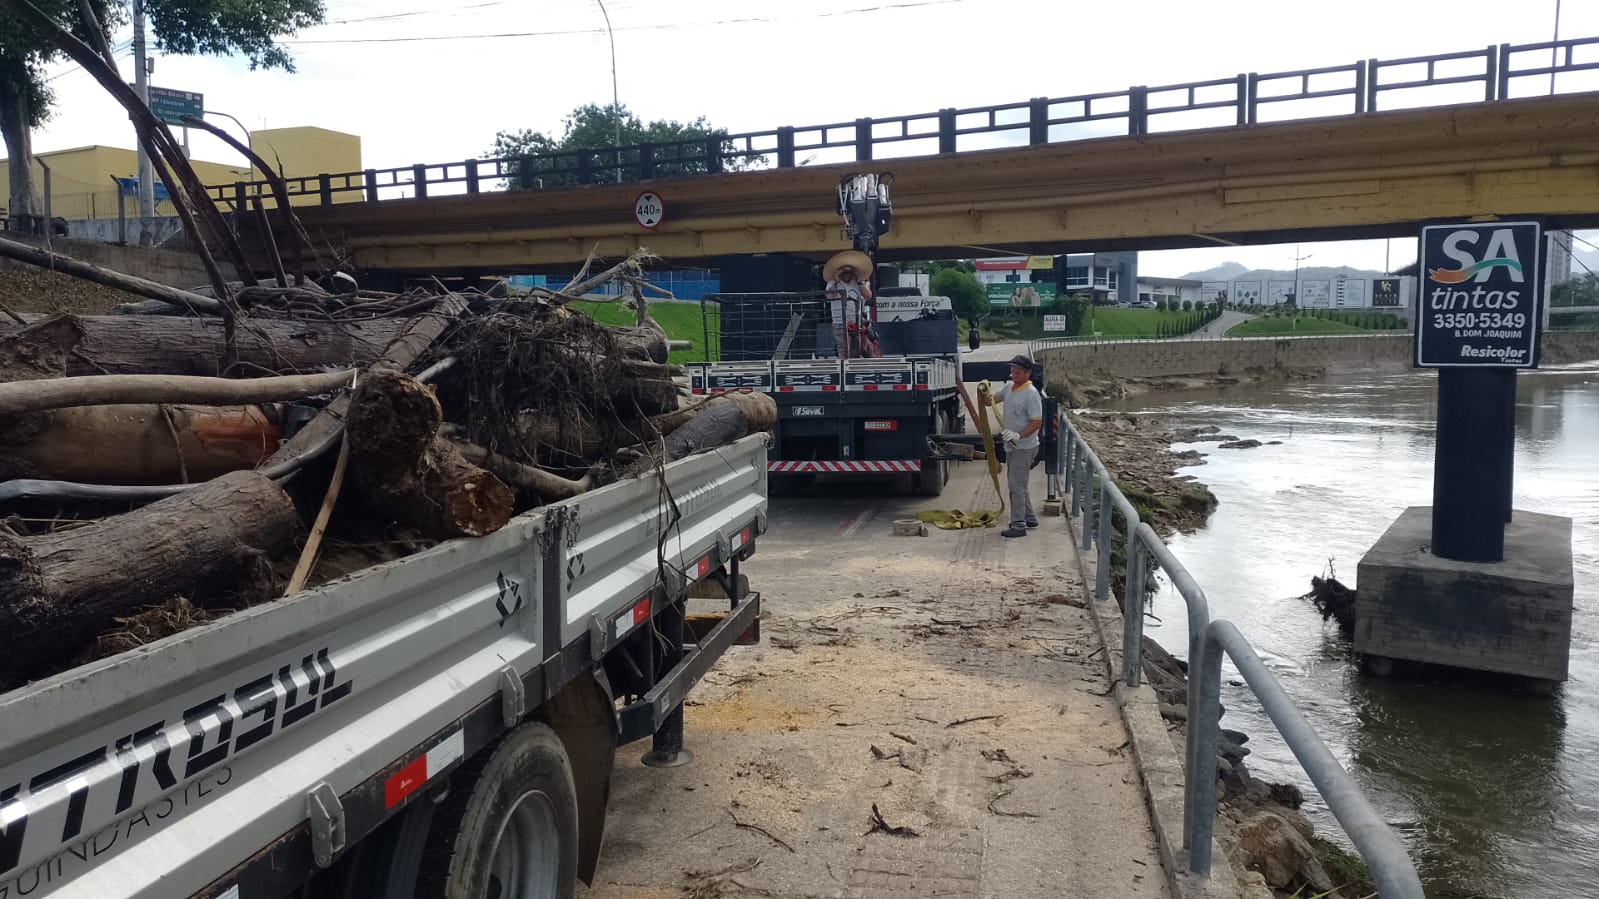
(1277, 292)
(1315, 294)
(1212, 291)
(1349, 293)
(1013, 295)
(1385, 292)
(1246, 293)
(1480, 295)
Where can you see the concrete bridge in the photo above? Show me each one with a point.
(1370, 174)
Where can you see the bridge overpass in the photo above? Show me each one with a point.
(1367, 174)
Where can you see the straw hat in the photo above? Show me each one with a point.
(855, 259)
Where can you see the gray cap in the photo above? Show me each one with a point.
(1023, 361)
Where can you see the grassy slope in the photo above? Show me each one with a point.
(681, 321)
(1265, 327)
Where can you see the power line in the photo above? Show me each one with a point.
(663, 27)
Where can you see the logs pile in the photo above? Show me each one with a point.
(146, 469)
(212, 448)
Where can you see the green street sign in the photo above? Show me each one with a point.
(171, 106)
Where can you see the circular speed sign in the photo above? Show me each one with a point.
(649, 209)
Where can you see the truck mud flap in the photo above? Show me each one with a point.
(641, 719)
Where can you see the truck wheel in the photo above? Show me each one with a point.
(509, 827)
(931, 479)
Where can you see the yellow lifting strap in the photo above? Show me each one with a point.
(954, 519)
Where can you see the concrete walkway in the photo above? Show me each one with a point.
(953, 682)
(1219, 327)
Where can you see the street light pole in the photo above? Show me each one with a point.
(616, 103)
(141, 86)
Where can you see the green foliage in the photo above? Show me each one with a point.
(1160, 305)
(680, 321)
(960, 265)
(1076, 308)
(1583, 291)
(965, 294)
(1187, 305)
(181, 27)
(594, 127)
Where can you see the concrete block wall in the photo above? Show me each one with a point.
(170, 267)
(1172, 358)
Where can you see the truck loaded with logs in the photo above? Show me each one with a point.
(360, 598)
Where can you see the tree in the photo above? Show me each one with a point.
(1582, 291)
(969, 298)
(960, 265)
(679, 148)
(1075, 307)
(181, 28)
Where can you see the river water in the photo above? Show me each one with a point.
(1495, 792)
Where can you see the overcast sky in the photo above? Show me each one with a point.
(431, 85)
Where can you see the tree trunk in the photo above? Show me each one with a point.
(646, 341)
(41, 350)
(139, 444)
(59, 591)
(713, 424)
(123, 345)
(96, 390)
(405, 470)
(16, 120)
(56, 262)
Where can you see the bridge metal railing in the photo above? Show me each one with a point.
(1359, 87)
(1097, 500)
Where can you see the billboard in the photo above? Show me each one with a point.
(1211, 291)
(1385, 292)
(1020, 295)
(1246, 293)
(1277, 292)
(1349, 293)
(1480, 298)
(1315, 294)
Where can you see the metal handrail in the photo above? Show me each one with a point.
(1384, 854)
(1035, 117)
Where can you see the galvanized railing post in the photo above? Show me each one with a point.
(1133, 611)
(1102, 589)
(1088, 508)
(472, 185)
(863, 140)
(419, 180)
(1204, 683)
(785, 147)
(946, 131)
(1074, 478)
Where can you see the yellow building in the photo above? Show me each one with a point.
(82, 185)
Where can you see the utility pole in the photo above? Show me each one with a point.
(616, 102)
(141, 86)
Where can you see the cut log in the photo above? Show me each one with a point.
(714, 424)
(650, 396)
(40, 350)
(59, 591)
(547, 485)
(119, 345)
(406, 471)
(97, 390)
(759, 411)
(575, 442)
(139, 444)
(646, 341)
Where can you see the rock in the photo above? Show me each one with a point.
(1173, 712)
(1241, 444)
(1061, 599)
(1286, 795)
(1252, 885)
(1273, 847)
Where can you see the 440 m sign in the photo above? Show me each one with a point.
(1481, 296)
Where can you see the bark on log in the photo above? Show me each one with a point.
(59, 591)
(96, 390)
(405, 470)
(43, 258)
(713, 424)
(646, 341)
(40, 350)
(650, 396)
(577, 442)
(136, 444)
(417, 338)
(759, 410)
(547, 485)
(119, 345)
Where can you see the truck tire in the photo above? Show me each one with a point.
(508, 829)
(931, 479)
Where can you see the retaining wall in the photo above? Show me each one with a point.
(1237, 356)
(170, 267)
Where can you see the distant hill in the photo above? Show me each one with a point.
(1232, 271)
(1227, 271)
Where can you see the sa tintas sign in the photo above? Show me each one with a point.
(1481, 295)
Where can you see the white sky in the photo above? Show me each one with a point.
(758, 64)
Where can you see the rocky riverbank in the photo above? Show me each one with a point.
(1273, 846)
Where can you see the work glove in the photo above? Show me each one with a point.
(1010, 437)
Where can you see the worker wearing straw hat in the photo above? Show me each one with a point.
(846, 275)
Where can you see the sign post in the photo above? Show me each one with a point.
(1477, 320)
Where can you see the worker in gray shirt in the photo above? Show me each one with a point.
(1023, 417)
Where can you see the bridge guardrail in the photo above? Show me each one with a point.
(1363, 83)
(1089, 480)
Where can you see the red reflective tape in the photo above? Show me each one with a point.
(718, 389)
(829, 386)
(922, 387)
(868, 386)
(641, 612)
(744, 535)
(900, 387)
(406, 782)
(705, 566)
(785, 389)
(697, 390)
